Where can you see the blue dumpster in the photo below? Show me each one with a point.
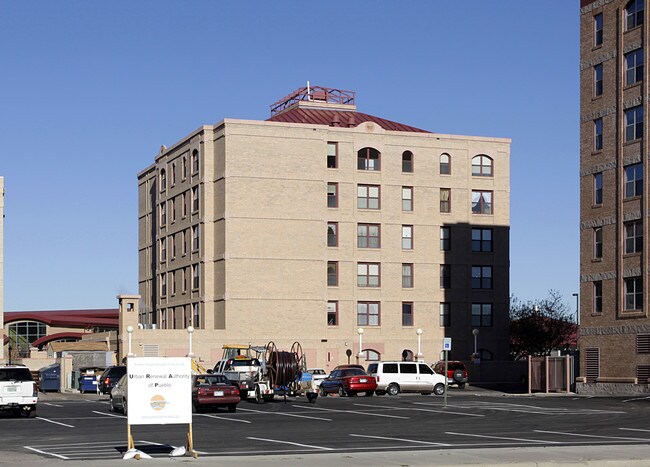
(49, 378)
(88, 380)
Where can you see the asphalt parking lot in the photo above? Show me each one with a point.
(71, 427)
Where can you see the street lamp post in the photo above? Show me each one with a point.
(190, 331)
(360, 332)
(419, 333)
(475, 332)
(129, 331)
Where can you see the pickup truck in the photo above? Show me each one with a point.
(241, 371)
(18, 391)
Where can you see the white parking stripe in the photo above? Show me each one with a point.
(591, 436)
(351, 411)
(503, 437)
(289, 442)
(634, 429)
(56, 423)
(286, 414)
(221, 418)
(45, 453)
(422, 410)
(636, 399)
(52, 405)
(401, 439)
(109, 414)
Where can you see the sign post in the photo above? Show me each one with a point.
(446, 346)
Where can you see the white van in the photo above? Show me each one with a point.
(396, 377)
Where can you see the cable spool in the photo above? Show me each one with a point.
(284, 368)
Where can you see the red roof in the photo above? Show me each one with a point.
(338, 118)
(106, 318)
(55, 337)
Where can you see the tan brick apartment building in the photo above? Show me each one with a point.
(615, 328)
(317, 222)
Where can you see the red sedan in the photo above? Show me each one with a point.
(348, 382)
(211, 391)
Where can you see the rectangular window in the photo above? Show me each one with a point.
(163, 249)
(195, 238)
(196, 316)
(481, 277)
(481, 239)
(445, 314)
(163, 213)
(172, 209)
(332, 195)
(172, 245)
(445, 276)
(368, 197)
(407, 314)
(195, 276)
(195, 162)
(163, 285)
(407, 198)
(481, 314)
(195, 199)
(332, 155)
(598, 29)
(368, 314)
(445, 200)
(633, 180)
(598, 188)
(184, 167)
(598, 134)
(633, 237)
(481, 202)
(184, 242)
(173, 174)
(368, 236)
(598, 243)
(184, 280)
(407, 237)
(598, 80)
(598, 297)
(368, 275)
(634, 123)
(633, 293)
(332, 273)
(445, 238)
(633, 67)
(407, 275)
(184, 207)
(332, 234)
(332, 313)
(172, 282)
(407, 162)
(633, 14)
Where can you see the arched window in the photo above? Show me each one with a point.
(371, 355)
(407, 355)
(445, 164)
(22, 334)
(633, 14)
(482, 166)
(163, 180)
(407, 162)
(368, 159)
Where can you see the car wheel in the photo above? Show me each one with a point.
(370, 393)
(341, 391)
(323, 393)
(458, 376)
(439, 389)
(232, 408)
(258, 395)
(125, 409)
(311, 396)
(461, 385)
(392, 389)
(111, 405)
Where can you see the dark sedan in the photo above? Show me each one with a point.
(211, 391)
(348, 382)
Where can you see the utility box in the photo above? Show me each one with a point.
(49, 378)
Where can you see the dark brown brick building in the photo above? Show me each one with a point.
(615, 328)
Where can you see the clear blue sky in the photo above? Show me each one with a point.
(90, 90)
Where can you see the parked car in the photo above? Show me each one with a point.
(110, 377)
(348, 382)
(118, 395)
(241, 370)
(456, 372)
(318, 375)
(211, 391)
(349, 365)
(18, 391)
(396, 377)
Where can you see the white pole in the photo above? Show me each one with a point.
(129, 331)
(190, 331)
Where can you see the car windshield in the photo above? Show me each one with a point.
(15, 374)
(353, 372)
(212, 380)
(245, 362)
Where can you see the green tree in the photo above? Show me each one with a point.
(539, 326)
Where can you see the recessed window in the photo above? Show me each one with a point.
(481, 277)
(368, 314)
(634, 123)
(445, 276)
(598, 80)
(598, 188)
(184, 242)
(633, 180)
(633, 14)
(368, 197)
(481, 239)
(332, 313)
(163, 180)
(598, 243)
(332, 155)
(163, 249)
(195, 276)
(445, 200)
(195, 238)
(598, 29)
(172, 209)
(184, 167)
(481, 314)
(368, 275)
(481, 202)
(332, 195)
(482, 166)
(445, 314)
(172, 245)
(368, 236)
(195, 161)
(407, 314)
(163, 285)
(633, 293)
(196, 315)
(445, 164)
(173, 173)
(633, 237)
(172, 282)
(633, 67)
(598, 297)
(195, 199)
(332, 273)
(407, 275)
(184, 204)
(163, 213)
(407, 198)
(407, 237)
(332, 234)
(368, 159)
(445, 238)
(407, 162)
(598, 134)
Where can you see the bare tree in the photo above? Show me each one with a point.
(539, 326)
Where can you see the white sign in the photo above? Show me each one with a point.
(159, 390)
(446, 343)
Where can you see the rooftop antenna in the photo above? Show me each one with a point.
(308, 92)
